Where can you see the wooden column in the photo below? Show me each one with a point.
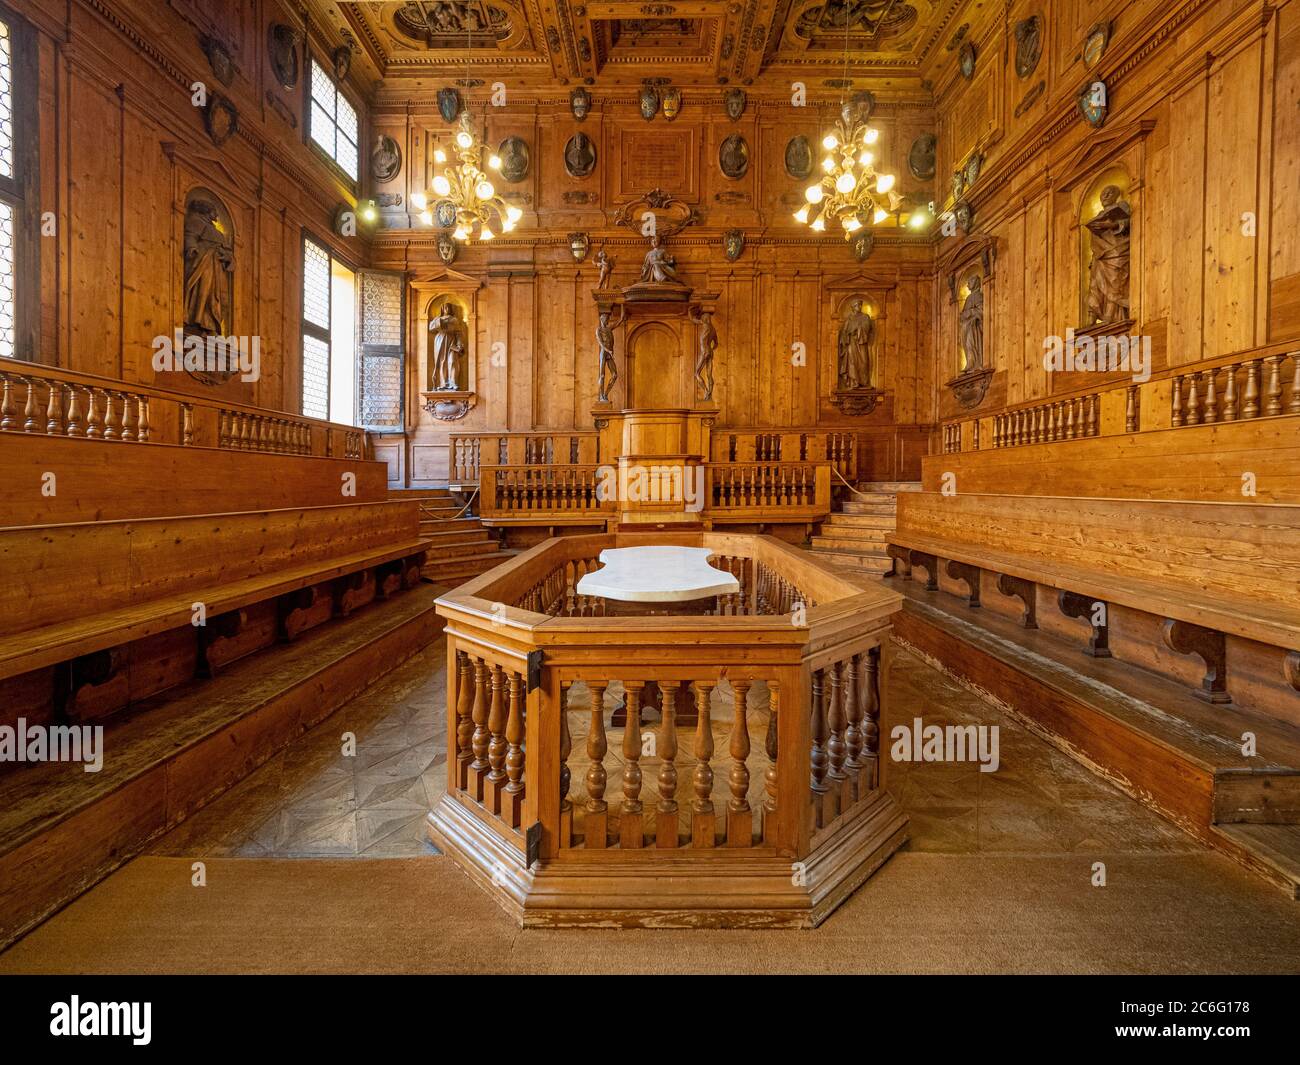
(740, 819)
(666, 807)
(703, 822)
(631, 827)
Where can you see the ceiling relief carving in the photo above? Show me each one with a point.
(718, 42)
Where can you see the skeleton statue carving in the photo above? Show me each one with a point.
(708, 344)
(1108, 299)
(855, 348)
(447, 337)
(607, 373)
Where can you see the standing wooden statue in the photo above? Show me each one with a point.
(607, 373)
(708, 344)
(855, 348)
(209, 264)
(970, 324)
(1108, 299)
(447, 342)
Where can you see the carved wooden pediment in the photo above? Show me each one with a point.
(957, 259)
(672, 215)
(859, 281)
(446, 278)
(1097, 151)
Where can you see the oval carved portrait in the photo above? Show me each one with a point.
(579, 155)
(514, 159)
(920, 159)
(733, 156)
(798, 157)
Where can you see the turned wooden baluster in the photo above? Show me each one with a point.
(1130, 410)
(666, 808)
(112, 427)
(1229, 411)
(1193, 399)
(631, 828)
(128, 417)
(1293, 402)
(94, 426)
(29, 406)
(740, 819)
(1211, 398)
(187, 424)
(595, 824)
(512, 804)
(836, 747)
(496, 754)
(54, 410)
(771, 778)
(871, 714)
(8, 412)
(853, 736)
(464, 732)
(1250, 404)
(819, 758)
(1176, 403)
(702, 816)
(145, 429)
(478, 766)
(1274, 390)
(74, 427)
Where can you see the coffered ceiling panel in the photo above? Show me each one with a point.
(690, 42)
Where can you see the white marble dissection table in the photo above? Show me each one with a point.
(657, 580)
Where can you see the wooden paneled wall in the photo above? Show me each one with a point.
(1202, 116)
(785, 288)
(120, 146)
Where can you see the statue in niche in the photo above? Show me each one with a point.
(209, 269)
(448, 343)
(606, 267)
(856, 335)
(659, 266)
(607, 373)
(970, 325)
(708, 344)
(1108, 273)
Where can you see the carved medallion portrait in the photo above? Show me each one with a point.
(223, 67)
(733, 156)
(734, 102)
(282, 47)
(1095, 44)
(385, 159)
(971, 171)
(920, 157)
(220, 119)
(579, 103)
(579, 155)
(1029, 45)
(966, 60)
(513, 152)
(798, 157)
(449, 104)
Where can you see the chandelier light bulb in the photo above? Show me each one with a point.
(464, 139)
(884, 182)
(819, 224)
(485, 191)
(880, 215)
(814, 194)
(461, 233)
(851, 224)
(866, 158)
(419, 201)
(871, 136)
(487, 233)
(426, 217)
(845, 182)
(439, 156)
(507, 226)
(830, 142)
(441, 185)
(513, 214)
(828, 164)
(494, 161)
(801, 215)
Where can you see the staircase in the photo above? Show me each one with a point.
(461, 547)
(856, 534)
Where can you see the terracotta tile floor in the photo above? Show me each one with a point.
(312, 800)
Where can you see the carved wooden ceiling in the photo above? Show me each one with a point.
(688, 42)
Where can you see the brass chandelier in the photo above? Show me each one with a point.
(463, 195)
(850, 193)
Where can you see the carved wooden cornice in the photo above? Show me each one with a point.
(1099, 149)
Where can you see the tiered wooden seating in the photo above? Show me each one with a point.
(1216, 584)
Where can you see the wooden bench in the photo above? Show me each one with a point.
(71, 594)
(1008, 579)
(104, 480)
(1219, 567)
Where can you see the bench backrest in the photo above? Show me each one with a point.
(55, 573)
(1232, 550)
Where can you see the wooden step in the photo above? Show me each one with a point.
(878, 522)
(458, 570)
(431, 525)
(885, 507)
(462, 549)
(866, 560)
(63, 829)
(849, 545)
(889, 486)
(1276, 849)
(440, 538)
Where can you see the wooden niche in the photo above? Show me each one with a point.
(969, 272)
(456, 294)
